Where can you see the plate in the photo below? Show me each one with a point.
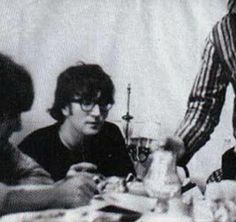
(139, 204)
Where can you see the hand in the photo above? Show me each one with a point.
(112, 184)
(225, 190)
(74, 191)
(174, 144)
(87, 169)
(81, 167)
(220, 199)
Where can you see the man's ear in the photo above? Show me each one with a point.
(66, 111)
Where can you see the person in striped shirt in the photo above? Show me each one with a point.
(207, 96)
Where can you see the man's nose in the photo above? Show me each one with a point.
(96, 110)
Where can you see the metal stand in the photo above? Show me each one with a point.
(127, 117)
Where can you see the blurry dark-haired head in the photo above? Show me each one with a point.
(16, 94)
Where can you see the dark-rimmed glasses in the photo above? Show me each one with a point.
(87, 106)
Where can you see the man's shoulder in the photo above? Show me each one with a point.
(39, 137)
(110, 132)
(227, 20)
(223, 34)
(44, 131)
(110, 127)
(229, 153)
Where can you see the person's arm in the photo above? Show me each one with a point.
(24, 169)
(68, 193)
(205, 103)
(35, 146)
(25, 198)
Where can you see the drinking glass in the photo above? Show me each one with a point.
(143, 141)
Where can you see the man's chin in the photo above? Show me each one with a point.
(91, 132)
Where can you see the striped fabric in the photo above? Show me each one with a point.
(216, 176)
(208, 92)
(231, 5)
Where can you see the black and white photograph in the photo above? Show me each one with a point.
(117, 110)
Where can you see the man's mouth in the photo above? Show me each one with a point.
(93, 123)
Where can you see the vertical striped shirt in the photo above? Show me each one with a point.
(218, 69)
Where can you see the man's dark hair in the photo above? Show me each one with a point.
(16, 87)
(84, 81)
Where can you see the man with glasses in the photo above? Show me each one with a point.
(83, 98)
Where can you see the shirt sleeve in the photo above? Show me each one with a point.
(25, 170)
(205, 102)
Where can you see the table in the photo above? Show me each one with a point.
(95, 211)
(100, 210)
